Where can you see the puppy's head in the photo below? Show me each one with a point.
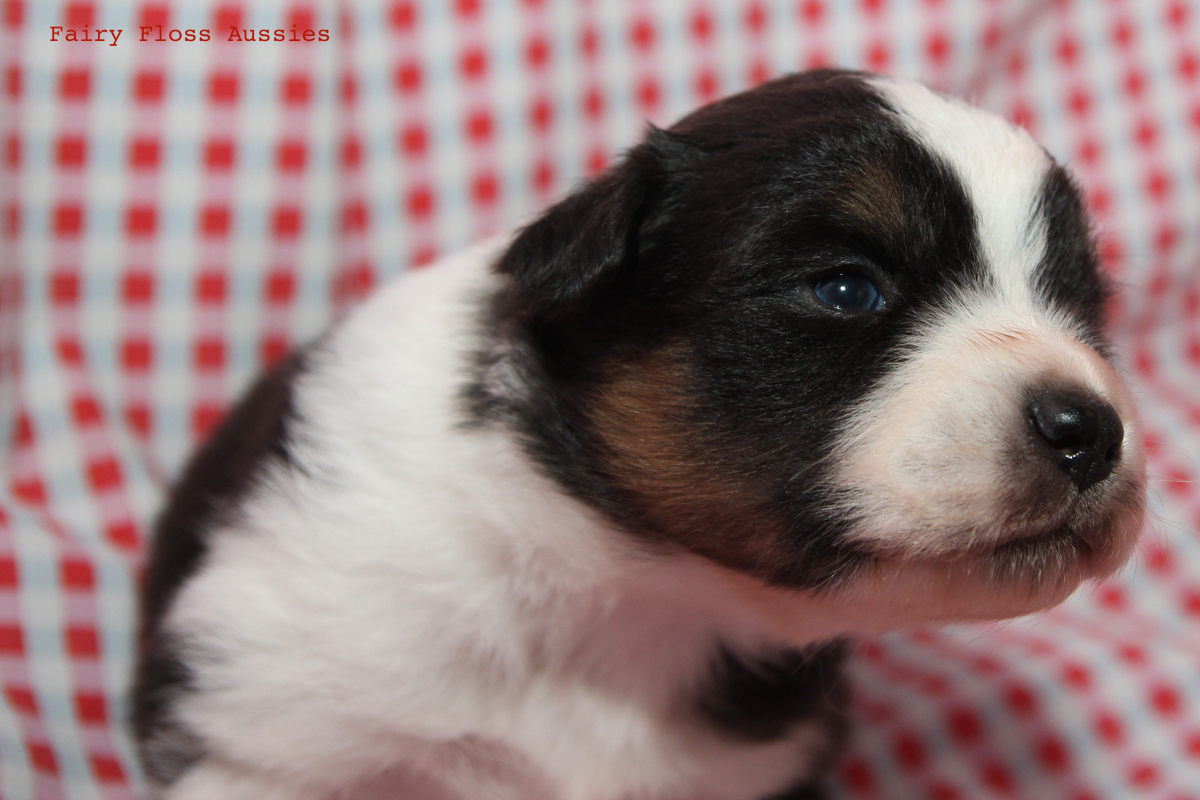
(835, 331)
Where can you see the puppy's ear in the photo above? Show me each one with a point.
(585, 239)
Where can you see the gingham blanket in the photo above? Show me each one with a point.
(182, 201)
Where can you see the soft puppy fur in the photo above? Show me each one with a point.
(587, 513)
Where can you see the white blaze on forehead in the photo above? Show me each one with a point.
(1000, 167)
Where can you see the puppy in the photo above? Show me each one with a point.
(587, 514)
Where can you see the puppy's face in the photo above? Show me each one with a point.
(837, 331)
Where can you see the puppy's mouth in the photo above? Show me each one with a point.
(1051, 553)
(1062, 538)
(1088, 538)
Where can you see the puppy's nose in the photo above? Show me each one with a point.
(1085, 432)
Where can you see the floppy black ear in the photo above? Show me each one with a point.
(587, 237)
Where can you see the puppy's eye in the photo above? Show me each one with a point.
(849, 292)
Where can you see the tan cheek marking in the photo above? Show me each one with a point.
(644, 415)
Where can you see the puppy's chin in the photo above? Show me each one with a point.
(900, 590)
(990, 582)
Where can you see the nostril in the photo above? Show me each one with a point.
(1070, 442)
(1065, 425)
(1084, 431)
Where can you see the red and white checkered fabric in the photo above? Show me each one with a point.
(176, 214)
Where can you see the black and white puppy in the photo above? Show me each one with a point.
(585, 515)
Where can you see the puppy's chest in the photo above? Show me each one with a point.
(755, 727)
(753, 732)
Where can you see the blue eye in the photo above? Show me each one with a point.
(849, 292)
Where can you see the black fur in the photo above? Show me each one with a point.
(808, 791)
(763, 699)
(253, 434)
(1069, 272)
(166, 747)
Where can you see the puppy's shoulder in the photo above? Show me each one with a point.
(251, 436)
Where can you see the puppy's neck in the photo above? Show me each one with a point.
(598, 605)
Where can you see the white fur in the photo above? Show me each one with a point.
(999, 165)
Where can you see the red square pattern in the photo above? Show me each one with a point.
(77, 574)
(75, 84)
(91, 708)
(82, 642)
(148, 87)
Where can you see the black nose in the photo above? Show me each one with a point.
(1085, 432)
